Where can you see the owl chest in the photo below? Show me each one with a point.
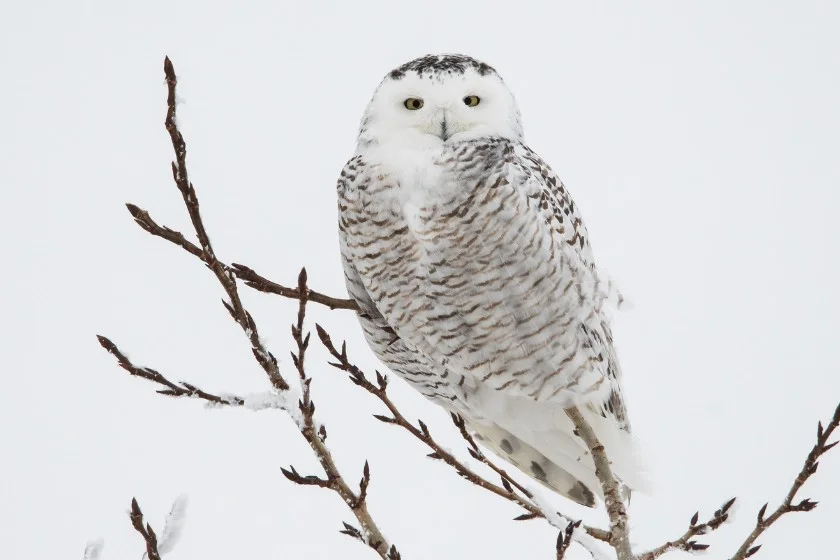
(422, 216)
(428, 243)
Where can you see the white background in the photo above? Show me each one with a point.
(699, 139)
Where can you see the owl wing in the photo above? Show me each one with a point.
(426, 375)
(537, 436)
(421, 371)
(558, 208)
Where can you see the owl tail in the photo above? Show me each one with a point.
(536, 465)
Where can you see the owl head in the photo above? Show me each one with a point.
(439, 99)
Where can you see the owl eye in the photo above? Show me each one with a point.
(413, 103)
(472, 100)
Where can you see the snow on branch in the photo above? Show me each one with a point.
(173, 527)
(93, 550)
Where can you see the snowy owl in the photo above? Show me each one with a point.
(474, 275)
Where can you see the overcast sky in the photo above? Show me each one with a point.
(700, 141)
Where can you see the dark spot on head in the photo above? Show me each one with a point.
(435, 64)
(538, 471)
(507, 447)
(484, 69)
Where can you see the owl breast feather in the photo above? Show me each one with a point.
(458, 260)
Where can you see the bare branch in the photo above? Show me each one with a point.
(302, 342)
(363, 485)
(314, 434)
(421, 432)
(251, 278)
(145, 530)
(821, 447)
(748, 548)
(310, 480)
(221, 271)
(262, 284)
(619, 528)
(172, 389)
(686, 542)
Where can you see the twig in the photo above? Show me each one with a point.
(564, 539)
(686, 542)
(315, 435)
(421, 432)
(146, 530)
(172, 389)
(762, 523)
(302, 344)
(244, 273)
(262, 284)
(206, 253)
(619, 529)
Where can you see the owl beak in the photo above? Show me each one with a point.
(444, 132)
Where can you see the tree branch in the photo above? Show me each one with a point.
(145, 531)
(686, 542)
(314, 434)
(206, 253)
(748, 548)
(244, 273)
(619, 529)
(262, 284)
(762, 523)
(172, 389)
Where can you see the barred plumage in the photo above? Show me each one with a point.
(474, 274)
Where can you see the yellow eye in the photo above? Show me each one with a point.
(413, 103)
(472, 100)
